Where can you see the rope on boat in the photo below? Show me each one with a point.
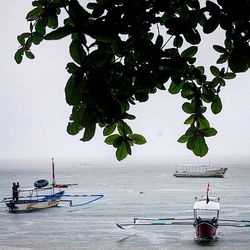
(98, 196)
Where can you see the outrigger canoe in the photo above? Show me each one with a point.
(205, 220)
(45, 195)
(34, 199)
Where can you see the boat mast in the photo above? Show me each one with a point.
(53, 173)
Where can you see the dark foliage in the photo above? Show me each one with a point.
(122, 51)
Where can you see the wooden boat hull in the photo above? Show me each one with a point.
(26, 205)
(205, 229)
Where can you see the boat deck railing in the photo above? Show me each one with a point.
(193, 168)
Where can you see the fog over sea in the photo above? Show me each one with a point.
(131, 189)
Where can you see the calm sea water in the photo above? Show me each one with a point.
(130, 190)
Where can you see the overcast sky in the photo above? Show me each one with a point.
(34, 114)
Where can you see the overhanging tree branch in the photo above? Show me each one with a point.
(124, 62)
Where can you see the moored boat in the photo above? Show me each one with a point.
(206, 225)
(205, 220)
(34, 199)
(44, 195)
(199, 171)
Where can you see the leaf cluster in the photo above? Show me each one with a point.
(118, 60)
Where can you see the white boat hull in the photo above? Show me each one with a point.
(25, 205)
(209, 173)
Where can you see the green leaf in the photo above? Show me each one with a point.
(189, 52)
(21, 39)
(76, 51)
(203, 122)
(74, 128)
(200, 146)
(216, 105)
(175, 88)
(223, 58)
(19, 56)
(124, 106)
(219, 49)
(138, 139)
(117, 142)
(128, 146)
(41, 26)
(188, 108)
(36, 38)
(77, 114)
(72, 68)
(191, 142)
(73, 96)
(129, 116)
(191, 131)
(109, 129)
(183, 139)
(190, 119)
(215, 82)
(121, 152)
(159, 41)
(229, 75)
(201, 69)
(52, 21)
(59, 33)
(92, 6)
(28, 43)
(110, 139)
(35, 13)
(215, 71)
(89, 132)
(123, 128)
(239, 59)
(29, 54)
(88, 117)
(210, 25)
(192, 36)
(68, 22)
(187, 91)
(209, 132)
(178, 41)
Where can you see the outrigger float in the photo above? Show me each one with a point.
(43, 195)
(205, 220)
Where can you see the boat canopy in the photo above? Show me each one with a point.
(202, 204)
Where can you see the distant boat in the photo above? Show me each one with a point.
(199, 171)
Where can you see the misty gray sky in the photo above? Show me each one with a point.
(34, 114)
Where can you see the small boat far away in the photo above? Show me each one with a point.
(204, 170)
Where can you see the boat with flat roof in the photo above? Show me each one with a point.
(203, 170)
